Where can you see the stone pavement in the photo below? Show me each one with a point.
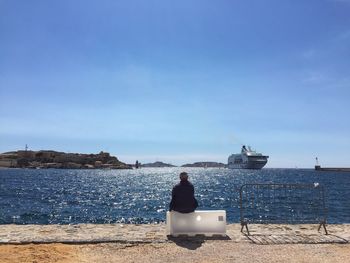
(155, 233)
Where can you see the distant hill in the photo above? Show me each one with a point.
(205, 165)
(157, 165)
(60, 160)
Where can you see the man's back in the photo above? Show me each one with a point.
(183, 199)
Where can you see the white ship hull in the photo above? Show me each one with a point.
(247, 159)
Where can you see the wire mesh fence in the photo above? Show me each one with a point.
(282, 203)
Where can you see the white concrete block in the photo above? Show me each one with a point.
(205, 222)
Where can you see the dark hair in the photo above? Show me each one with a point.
(183, 176)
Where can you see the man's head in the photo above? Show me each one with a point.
(183, 176)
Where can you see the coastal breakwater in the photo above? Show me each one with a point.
(155, 233)
(148, 243)
(60, 160)
(332, 169)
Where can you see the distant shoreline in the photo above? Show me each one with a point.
(49, 159)
(44, 159)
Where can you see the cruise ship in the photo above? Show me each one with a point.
(247, 159)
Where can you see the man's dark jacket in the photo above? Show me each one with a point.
(183, 199)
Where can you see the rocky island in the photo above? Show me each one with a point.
(60, 160)
(157, 165)
(205, 165)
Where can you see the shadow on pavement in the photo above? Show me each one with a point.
(192, 243)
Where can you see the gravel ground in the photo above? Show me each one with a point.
(148, 243)
(187, 251)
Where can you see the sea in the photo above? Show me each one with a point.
(142, 196)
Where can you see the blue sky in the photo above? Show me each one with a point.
(178, 81)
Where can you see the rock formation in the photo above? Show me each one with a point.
(205, 165)
(157, 165)
(60, 160)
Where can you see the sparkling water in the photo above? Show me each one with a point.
(49, 196)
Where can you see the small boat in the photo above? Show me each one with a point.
(247, 159)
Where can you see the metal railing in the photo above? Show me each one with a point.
(282, 204)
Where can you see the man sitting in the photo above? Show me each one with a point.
(182, 198)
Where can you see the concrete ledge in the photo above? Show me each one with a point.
(156, 233)
(203, 222)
